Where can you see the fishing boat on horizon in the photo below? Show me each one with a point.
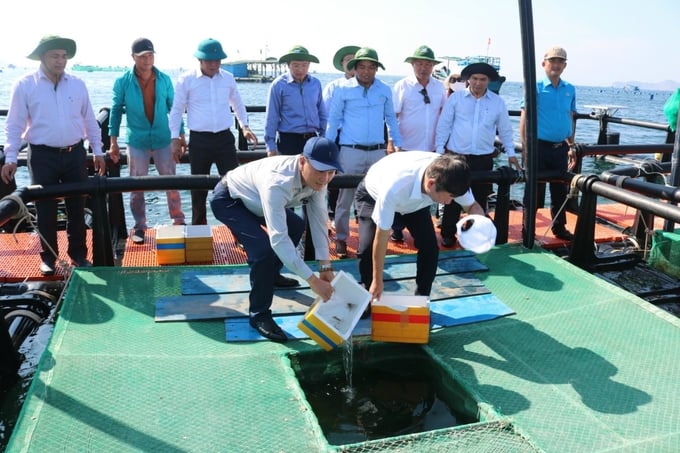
(259, 71)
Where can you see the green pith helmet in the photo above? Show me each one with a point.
(422, 53)
(210, 49)
(298, 53)
(365, 54)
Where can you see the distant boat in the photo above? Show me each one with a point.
(92, 68)
(632, 89)
(255, 70)
(454, 65)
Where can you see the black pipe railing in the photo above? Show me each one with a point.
(109, 190)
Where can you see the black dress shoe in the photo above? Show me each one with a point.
(47, 268)
(81, 262)
(448, 242)
(397, 236)
(563, 233)
(285, 282)
(267, 327)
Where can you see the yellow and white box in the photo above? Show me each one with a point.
(170, 244)
(331, 323)
(401, 319)
(198, 243)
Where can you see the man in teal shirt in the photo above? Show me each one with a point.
(146, 95)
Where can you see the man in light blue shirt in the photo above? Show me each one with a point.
(556, 123)
(295, 109)
(362, 106)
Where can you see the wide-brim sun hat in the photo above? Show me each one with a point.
(476, 233)
(479, 68)
(298, 53)
(340, 54)
(364, 54)
(422, 53)
(210, 49)
(53, 42)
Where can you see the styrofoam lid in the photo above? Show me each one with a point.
(476, 233)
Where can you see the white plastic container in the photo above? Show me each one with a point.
(331, 323)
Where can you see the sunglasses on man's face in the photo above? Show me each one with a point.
(426, 97)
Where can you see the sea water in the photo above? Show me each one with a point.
(643, 105)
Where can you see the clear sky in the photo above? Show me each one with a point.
(607, 41)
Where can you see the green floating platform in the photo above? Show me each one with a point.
(582, 366)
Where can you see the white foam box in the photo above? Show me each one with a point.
(400, 318)
(331, 323)
(170, 244)
(198, 242)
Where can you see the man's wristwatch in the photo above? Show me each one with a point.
(326, 268)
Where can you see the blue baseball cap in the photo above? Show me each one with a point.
(322, 153)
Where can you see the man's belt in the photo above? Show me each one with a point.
(56, 149)
(367, 147)
(222, 132)
(552, 144)
(305, 136)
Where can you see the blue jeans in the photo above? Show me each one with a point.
(247, 228)
(138, 163)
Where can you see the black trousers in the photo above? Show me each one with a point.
(206, 149)
(481, 193)
(552, 158)
(419, 224)
(48, 168)
(291, 144)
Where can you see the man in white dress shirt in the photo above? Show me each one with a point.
(51, 110)
(207, 95)
(418, 101)
(407, 184)
(467, 126)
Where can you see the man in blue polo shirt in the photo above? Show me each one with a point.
(556, 125)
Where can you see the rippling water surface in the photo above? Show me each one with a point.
(645, 105)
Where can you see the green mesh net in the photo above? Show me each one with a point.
(665, 253)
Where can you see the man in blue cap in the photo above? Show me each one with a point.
(263, 193)
(208, 95)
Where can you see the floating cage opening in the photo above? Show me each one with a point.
(390, 390)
